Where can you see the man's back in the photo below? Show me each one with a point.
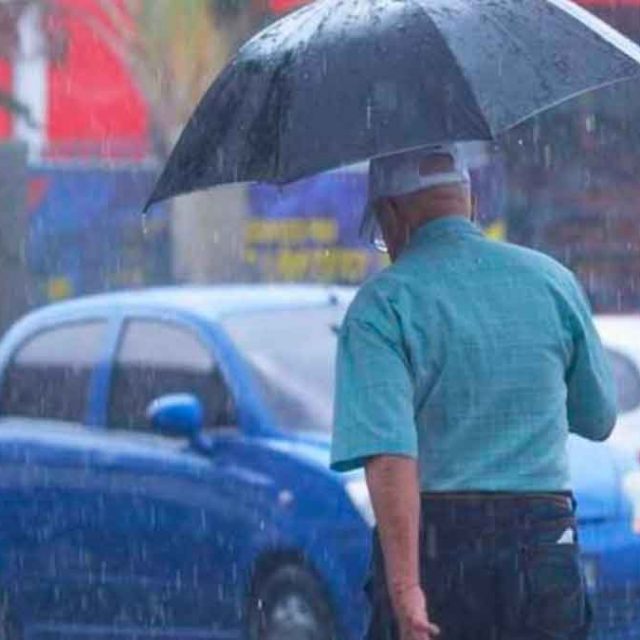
(500, 354)
(461, 370)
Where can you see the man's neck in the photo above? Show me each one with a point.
(426, 219)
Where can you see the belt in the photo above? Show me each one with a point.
(563, 497)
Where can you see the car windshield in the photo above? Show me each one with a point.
(292, 353)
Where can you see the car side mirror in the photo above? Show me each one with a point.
(179, 414)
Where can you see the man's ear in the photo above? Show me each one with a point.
(389, 208)
(386, 214)
(474, 208)
(386, 206)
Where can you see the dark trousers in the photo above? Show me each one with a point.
(494, 567)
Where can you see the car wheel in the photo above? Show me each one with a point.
(290, 604)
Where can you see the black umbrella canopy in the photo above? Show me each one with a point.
(341, 81)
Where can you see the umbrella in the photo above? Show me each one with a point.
(342, 81)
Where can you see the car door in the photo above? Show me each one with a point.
(162, 499)
(45, 490)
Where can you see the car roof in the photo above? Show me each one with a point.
(216, 301)
(212, 302)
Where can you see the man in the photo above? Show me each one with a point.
(461, 370)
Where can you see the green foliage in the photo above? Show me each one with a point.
(161, 22)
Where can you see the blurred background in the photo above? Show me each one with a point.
(112, 517)
(93, 94)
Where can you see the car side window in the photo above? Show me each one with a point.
(627, 378)
(50, 374)
(156, 358)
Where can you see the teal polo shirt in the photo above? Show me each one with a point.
(475, 357)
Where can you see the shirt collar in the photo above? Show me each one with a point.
(448, 226)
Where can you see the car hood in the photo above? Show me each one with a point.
(314, 448)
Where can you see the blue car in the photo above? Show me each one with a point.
(164, 474)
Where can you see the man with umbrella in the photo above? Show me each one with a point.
(462, 368)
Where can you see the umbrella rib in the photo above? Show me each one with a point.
(577, 94)
(610, 35)
(590, 26)
(416, 3)
(315, 9)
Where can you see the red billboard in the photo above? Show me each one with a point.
(5, 85)
(282, 6)
(94, 105)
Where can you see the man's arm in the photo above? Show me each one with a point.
(591, 393)
(373, 409)
(374, 426)
(393, 486)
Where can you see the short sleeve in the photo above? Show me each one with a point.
(374, 407)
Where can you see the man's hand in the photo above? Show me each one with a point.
(393, 485)
(411, 612)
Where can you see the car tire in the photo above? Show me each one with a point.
(290, 604)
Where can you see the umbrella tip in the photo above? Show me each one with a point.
(153, 199)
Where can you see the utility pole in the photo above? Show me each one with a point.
(14, 277)
(30, 79)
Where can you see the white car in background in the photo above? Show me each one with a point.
(621, 337)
